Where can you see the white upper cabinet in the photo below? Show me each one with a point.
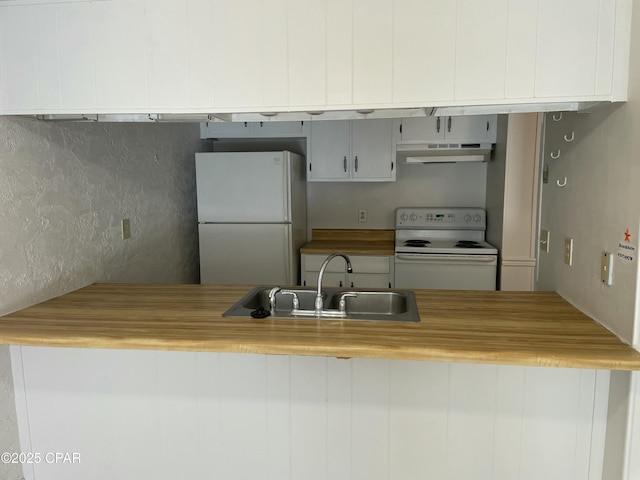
(249, 56)
(254, 129)
(351, 150)
(329, 156)
(469, 128)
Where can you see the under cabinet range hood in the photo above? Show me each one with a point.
(443, 152)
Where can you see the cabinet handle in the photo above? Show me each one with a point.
(351, 284)
(487, 126)
(356, 163)
(341, 283)
(449, 125)
(392, 166)
(438, 125)
(344, 161)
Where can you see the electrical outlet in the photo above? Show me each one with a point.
(126, 228)
(606, 267)
(362, 216)
(544, 240)
(568, 251)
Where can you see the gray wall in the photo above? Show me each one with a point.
(64, 189)
(336, 205)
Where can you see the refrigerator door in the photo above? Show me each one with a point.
(243, 187)
(247, 253)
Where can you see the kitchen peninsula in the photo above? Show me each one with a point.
(510, 328)
(465, 391)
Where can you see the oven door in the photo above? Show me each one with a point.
(445, 272)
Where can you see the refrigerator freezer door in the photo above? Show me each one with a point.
(247, 253)
(243, 187)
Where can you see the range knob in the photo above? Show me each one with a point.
(413, 217)
(404, 217)
(477, 217)
(467, 218)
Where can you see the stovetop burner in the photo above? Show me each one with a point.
(467, 244)
(417, 243)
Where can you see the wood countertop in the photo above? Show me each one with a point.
(350, 241)
(516, 328)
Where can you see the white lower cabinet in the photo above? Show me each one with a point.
(369, 271)
(150, 415)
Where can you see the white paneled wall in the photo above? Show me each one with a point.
(167, 415)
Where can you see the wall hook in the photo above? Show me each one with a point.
(570, 139)
(556, 156)
(564, 182)
(557, 119)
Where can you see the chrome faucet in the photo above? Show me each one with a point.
(318, 301)
(272, 299)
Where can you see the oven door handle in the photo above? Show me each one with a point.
(434, 258)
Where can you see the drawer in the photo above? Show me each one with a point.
(360, 263)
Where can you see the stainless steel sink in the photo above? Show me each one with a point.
(375, 302)
(358, 304)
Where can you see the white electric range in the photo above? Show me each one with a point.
(443, 249)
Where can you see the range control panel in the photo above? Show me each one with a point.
(441, 218)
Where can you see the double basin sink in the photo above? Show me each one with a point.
(337, 304)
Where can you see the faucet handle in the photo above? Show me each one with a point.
(342, 304)
(272, 298)
(295, 300)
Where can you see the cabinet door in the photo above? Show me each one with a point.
(421, 129)
(369, 280)
(330, 154)
(469, 128)
(371, 151)
(329, 279)
(276, 129)
(226, 129)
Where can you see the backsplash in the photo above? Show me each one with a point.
(336, 205)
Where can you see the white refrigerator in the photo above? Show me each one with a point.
(252, 217)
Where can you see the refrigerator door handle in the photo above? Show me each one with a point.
(287, 256)
(286, 198)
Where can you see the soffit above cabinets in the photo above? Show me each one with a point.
(339, 58)
(317, 115)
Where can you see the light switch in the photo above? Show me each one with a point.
(606, 267)
(568, 251)
(544, 241)
(126, 228)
